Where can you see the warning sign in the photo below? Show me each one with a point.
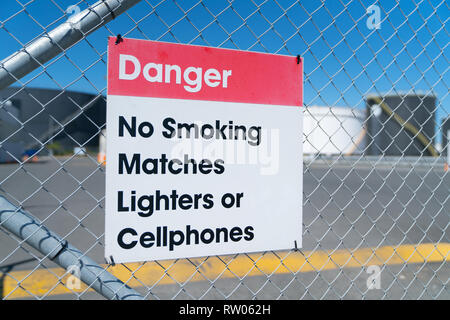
(204, 151)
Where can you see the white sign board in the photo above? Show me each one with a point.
(204, 154)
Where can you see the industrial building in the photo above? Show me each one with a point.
(392, 125)
(396, 125)
(61, 120)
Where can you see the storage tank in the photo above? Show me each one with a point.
(333, 130)
(402, 124)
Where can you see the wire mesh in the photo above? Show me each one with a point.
(376, 190)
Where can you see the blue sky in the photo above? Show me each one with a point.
(344, 59)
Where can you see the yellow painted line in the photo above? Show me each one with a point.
(43, 282)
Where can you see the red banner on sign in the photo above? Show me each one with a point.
(144, 68)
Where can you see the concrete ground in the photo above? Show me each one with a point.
(367, 205)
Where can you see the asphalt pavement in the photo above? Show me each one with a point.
(345, 207)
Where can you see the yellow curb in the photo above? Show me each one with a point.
(44, 282)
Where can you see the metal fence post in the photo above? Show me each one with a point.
(26, 227)
(59, 39)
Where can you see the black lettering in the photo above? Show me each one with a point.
(134, 166)
(249, 235)
(120, 206)
(146, 210)
(123, 123)
(133, 200)
(163, 162)
(172, 162)
(236, 234)
(243, 129)
(254, 140)
(172, 241)
(208, 201)
(197, 198)
(228, 200)
(171, 130)
(210, 237)
(145, 129)
(205, 166)
(174, 197)
(188, 160)
(224, 231)
(189, 233)
(158, 236)
(210, 128)
(239, 196)
(219, 164)
(153, 169)
(159, 198)
(188, 128)
(220, 130)
(185, 202)
(147, 239)
(164, 236)
(122, 234)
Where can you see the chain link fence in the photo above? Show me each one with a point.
(376, 190)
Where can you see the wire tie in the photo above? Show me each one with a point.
(119, 39)
(111, 12)
(63, 247)
(112, 261)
